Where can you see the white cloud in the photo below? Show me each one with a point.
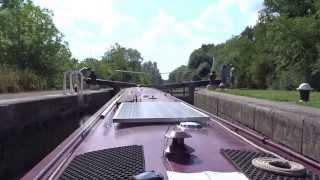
(220, 16)
(253, 19)
(83, 22)
(245, 5)
(92, 26)
(217, 19)
(96, 12)
(160, 41)
(159, 25)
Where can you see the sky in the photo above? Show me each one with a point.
(165, 31)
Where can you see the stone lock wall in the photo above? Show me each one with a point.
(296, 127)
(30, 130)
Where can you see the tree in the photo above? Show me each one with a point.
(199, 56)
(182, 73)
(151, 68)
(124, 59)
(31, 46)
(30, 40)
(102, 70)
(290, 8)
(280, 52)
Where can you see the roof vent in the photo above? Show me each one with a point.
(178, 151)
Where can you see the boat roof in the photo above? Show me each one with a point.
(105, 134)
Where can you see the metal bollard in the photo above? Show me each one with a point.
(304, 90)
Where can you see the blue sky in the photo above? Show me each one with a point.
(165, 31)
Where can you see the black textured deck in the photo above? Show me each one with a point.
(242, 161)
(115, 163)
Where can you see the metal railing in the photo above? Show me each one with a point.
(76, 80)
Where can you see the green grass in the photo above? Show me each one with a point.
(277, 95)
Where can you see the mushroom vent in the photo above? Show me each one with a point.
(178, 151)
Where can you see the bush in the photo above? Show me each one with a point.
(13, 80)
(8, 81)
(28, 81)
(288, 80)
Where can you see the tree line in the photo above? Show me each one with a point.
(281, 51)
(130, 63)
(33, 54)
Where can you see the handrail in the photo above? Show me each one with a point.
(71, 74)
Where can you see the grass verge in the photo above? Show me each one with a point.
(276, 95)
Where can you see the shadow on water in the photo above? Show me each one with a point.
(31, 130)
(23, 148)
